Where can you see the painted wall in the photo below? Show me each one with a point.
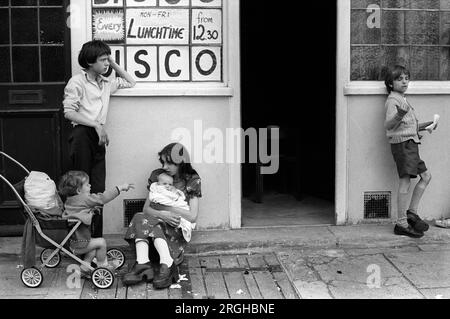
(139, 127)
(370, 163)
(141, 121)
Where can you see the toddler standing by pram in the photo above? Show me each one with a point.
(81, 204)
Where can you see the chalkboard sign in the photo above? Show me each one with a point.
(163, 40)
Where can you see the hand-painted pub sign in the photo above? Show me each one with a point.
(163, 40)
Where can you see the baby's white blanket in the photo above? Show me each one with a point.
(161, 195)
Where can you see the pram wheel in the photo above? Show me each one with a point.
(54, 262)
(102, 278)
(31, 277)
(116, 257)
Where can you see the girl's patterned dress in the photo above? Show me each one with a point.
(145, 226)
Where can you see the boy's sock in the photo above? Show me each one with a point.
(142, 251)
(402, 203)
(416, 197)
(403, 222)
(163, 251)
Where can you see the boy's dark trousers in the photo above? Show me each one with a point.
(86, 155)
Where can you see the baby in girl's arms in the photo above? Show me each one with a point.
(163, 192)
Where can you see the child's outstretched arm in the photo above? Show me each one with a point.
(109, 195)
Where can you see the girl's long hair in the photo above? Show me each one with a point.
(176, 153)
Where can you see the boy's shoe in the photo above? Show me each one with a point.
(416, 222)
(411, 232)
(443, 223)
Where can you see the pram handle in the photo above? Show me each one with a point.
(16, 193)
(16, 162)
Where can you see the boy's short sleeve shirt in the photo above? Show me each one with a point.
(91, 98)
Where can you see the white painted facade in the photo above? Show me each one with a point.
(141, 120)
(364, 162)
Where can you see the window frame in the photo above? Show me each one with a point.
(38, 45)
(371, 87)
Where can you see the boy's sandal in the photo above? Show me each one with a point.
(443, 223)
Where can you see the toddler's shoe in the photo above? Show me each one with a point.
(106, 265)
(416, 222)
(85, 273)
(409, 231)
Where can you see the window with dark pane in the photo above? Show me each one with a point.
(23, 3)
(4, 26)
(52, 25)
(51, 2)
(414, 33)
(5, 68)
(4, 3)
(24, 26)
(25, 64)
(52, 58)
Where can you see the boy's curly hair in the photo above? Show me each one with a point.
(71, 182)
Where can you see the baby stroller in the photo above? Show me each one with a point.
(55, 233)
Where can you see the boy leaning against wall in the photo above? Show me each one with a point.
(86, 102)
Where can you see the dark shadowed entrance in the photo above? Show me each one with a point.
(288, 81)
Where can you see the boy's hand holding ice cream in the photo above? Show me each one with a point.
(430, 128)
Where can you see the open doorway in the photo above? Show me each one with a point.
(288, 82)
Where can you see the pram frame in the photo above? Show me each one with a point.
(35, 222)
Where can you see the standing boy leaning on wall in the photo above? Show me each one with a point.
(86, 102)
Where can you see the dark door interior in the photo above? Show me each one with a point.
(34, 67)
(288, 80)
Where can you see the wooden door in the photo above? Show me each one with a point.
(34, 67)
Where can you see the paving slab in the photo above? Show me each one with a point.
(338, 275)
(10, 245)
(436, 293)
(425, 269)
(308, 236)
(375, 251)
(372, 236)
(434, 247)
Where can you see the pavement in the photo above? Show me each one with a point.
(309, 262)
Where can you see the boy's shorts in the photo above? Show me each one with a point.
(407, 159)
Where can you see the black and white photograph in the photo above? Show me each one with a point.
(224, 157)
